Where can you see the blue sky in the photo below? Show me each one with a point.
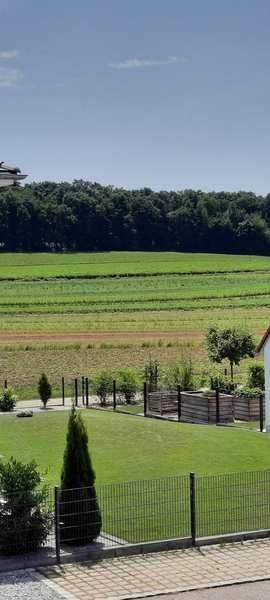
(169, 94)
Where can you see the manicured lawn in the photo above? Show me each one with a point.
(127, 447)
(130, 448)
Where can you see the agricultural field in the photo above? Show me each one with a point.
(72, 314)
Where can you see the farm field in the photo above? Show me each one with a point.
(70, 314)
(42, 265)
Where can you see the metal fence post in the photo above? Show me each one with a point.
(261, 412)
(114, 394)
(57, 523)
(63, 391)
(76, 391)
(217, 406)
(179, 403)
(87, 391)
(83, 381)
(5, 384)
(192, 487)
(145, 398)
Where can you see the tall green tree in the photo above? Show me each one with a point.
(79, 509)
(44, 389)
(229, 344)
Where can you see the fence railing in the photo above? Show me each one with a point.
(184, 507)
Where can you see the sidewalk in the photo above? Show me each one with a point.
(162, 573)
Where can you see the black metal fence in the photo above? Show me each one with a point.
(186, 507)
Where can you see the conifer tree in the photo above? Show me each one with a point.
(44, 389)
(79, 510)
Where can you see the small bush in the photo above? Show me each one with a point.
(44, 389)
(152, 374)
(181, 374)
(256, 377)
(224, 384)
(103, 386)
(25, 520)
(249, 392)
(7, 400)
(127, 384)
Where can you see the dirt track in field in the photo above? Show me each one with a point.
(100, 336)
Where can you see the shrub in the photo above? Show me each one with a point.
(152, 374)
(247, 392)
(25, 521)
(186, 373)
(128, 384)
(7, 400)
(181, 374)
(103, 386)
(224, 384)
(44, 389)
(256, 377)
(79, 510)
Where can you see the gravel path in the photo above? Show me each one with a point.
(24, 586)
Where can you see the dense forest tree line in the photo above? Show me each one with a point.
(84, 216)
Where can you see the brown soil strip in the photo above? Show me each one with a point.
(100, 336)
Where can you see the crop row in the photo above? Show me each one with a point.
(136, 289)
(33, 266)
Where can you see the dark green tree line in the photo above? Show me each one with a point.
(84, 216)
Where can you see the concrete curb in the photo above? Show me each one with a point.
(52, 585)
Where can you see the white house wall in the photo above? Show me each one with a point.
(267, 384)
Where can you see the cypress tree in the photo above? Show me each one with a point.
(79, 510)
(44, 389)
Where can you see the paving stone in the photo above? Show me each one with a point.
(159, 573)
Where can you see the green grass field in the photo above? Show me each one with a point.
(128, 448)
(73, 313)
(42, 265)
(125, 447)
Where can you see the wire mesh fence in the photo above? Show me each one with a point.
(232, 503)
(119, 514)
(146, 510)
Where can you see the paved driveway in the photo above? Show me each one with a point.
(164, 572)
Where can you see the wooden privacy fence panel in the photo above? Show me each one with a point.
(247, 409)
(199, 408)
(195, 406)
(162, 402)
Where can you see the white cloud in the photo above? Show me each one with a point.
(9, 54)
(9, 77)
(137, 63)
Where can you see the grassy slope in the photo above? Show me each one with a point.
(126, 448)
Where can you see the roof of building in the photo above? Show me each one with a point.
(263, 340)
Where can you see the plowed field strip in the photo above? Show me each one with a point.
(85, 336)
